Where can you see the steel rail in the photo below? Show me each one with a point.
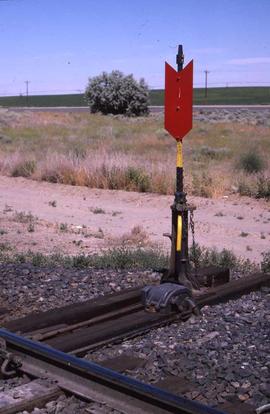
(41, 336)
(86, 326)
(95, 383)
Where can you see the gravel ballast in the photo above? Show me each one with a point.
(26, 288)
(224, 352)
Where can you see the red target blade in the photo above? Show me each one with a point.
(178, 100)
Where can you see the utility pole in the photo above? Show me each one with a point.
(27, 84)
(205, 84)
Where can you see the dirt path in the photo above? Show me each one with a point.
(70, 219)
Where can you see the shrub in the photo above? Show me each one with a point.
(251, 162)
(258, 186)
(265, 264)
(98, 210)
(138, 179)
(203, 257)
(114, 93)
(202, 185)
(125, 258)
(263, 187)
(22, 217)
(244, 188)
(24, 169)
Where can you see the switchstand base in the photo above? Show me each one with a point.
(168, 297)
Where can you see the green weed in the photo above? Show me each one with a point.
(24, 168)
(251, 162)
(265, 264)
(138, 180)
(204, 257)
(118, 258)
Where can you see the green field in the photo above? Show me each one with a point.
(44, 100)
(216, 96)
(222, 96)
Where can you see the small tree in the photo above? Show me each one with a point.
(115, 93)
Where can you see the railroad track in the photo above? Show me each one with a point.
(89, 381)
(49, 343)
(86, 326)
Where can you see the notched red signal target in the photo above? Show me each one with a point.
(178, 100)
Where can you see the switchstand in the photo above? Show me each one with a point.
(176, 285)
(179, 259)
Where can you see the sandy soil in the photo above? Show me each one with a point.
(66, 219)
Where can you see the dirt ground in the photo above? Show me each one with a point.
(52, 218)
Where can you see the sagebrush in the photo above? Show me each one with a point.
(114, 93)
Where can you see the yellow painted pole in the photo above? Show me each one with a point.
(179, 164)
(179, 234)
(179, 159)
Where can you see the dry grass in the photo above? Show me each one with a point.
(136, 237)
(131, 154)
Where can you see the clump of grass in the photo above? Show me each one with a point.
(136, 237)
(257, 186)
(63, 227)
(205, 152)
(23, 217)
(265, 264)
(244, 188)
(138, 180)
(251, 162)
(202, 185)
(53, 203)
(99, 234)
(263, 187)
(7, 209)
(98, 210)
(5, 253)
(243, 234)
(116, 213)
(79, 152)
(219, 214)
(31, 227)
(4, 247)
(78, 243)
(203, 257)
(124, 258)
(24, 168)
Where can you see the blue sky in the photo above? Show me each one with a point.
(58, 44)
